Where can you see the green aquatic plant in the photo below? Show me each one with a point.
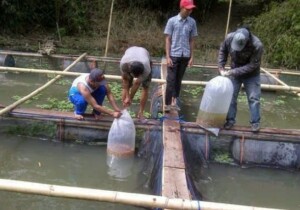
(116, 89)
(34, 98)
(193, 90)
(57, 104)
(222, 157)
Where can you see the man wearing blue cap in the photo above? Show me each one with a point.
(91, 89)
(245, 50)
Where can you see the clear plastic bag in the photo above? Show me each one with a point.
(121, 136)
(215, 102)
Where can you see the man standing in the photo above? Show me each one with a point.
(91, 89)
(136, 63)
(180, 32)
(245, 50)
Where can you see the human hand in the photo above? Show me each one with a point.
(127, 102)
(225, 73)
(169, 62)
(117, 109)
(116, 114)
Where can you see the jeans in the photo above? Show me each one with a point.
(253, 92)
(174, 78)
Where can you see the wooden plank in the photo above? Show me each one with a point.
(68, 117)
(173, 152)
(174, 183)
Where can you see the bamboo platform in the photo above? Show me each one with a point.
(174, 182)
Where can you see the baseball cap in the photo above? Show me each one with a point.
(240, 39)
(187, 4)
(96, 75)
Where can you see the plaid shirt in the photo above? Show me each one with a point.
(181, 31)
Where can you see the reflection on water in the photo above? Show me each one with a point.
(120, 167)
(264, 187)
(58, 163)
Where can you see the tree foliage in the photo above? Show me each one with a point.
(279, 30)
(278, 27)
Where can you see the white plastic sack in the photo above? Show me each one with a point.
(121, 136)
(215, 102)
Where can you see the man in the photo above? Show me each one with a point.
(91, 89)
(180, 32)
(136, 63)
(245, 50)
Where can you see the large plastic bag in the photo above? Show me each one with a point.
(215, 102)
(121, 136)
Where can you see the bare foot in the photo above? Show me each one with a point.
(78, 116)
(141, 117)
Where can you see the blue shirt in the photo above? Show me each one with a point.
(181, 31)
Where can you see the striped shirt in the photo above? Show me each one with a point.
(181, 31)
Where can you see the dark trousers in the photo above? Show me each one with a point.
(174, 78)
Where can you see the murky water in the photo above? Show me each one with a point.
(59, 163)
(264, 187)
(78, 165)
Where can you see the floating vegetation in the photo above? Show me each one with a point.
(195, 91)
(57, 104)
(34, 98)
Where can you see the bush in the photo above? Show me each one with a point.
(279, 30)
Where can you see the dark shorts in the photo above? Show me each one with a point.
(145, 84)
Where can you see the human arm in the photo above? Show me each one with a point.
(223, 55)
(111, 99)
(253, 64)
(192, 46)
(134, 88)
(168, 50)
(125, 89)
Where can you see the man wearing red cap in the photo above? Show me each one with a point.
(180, 32)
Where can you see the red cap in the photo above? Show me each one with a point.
(187, 4)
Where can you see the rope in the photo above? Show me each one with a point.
(242, 141)
(206, 145)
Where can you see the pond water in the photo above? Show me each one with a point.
(264, 187)
(81, 165)
(58, 163)
(278, 109)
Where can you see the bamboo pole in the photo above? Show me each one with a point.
(228, 17)
(278, 80)
(109, 27)
(22, 100)
(160, 81)
(117, 60)
(275, 78)
(116, 197)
